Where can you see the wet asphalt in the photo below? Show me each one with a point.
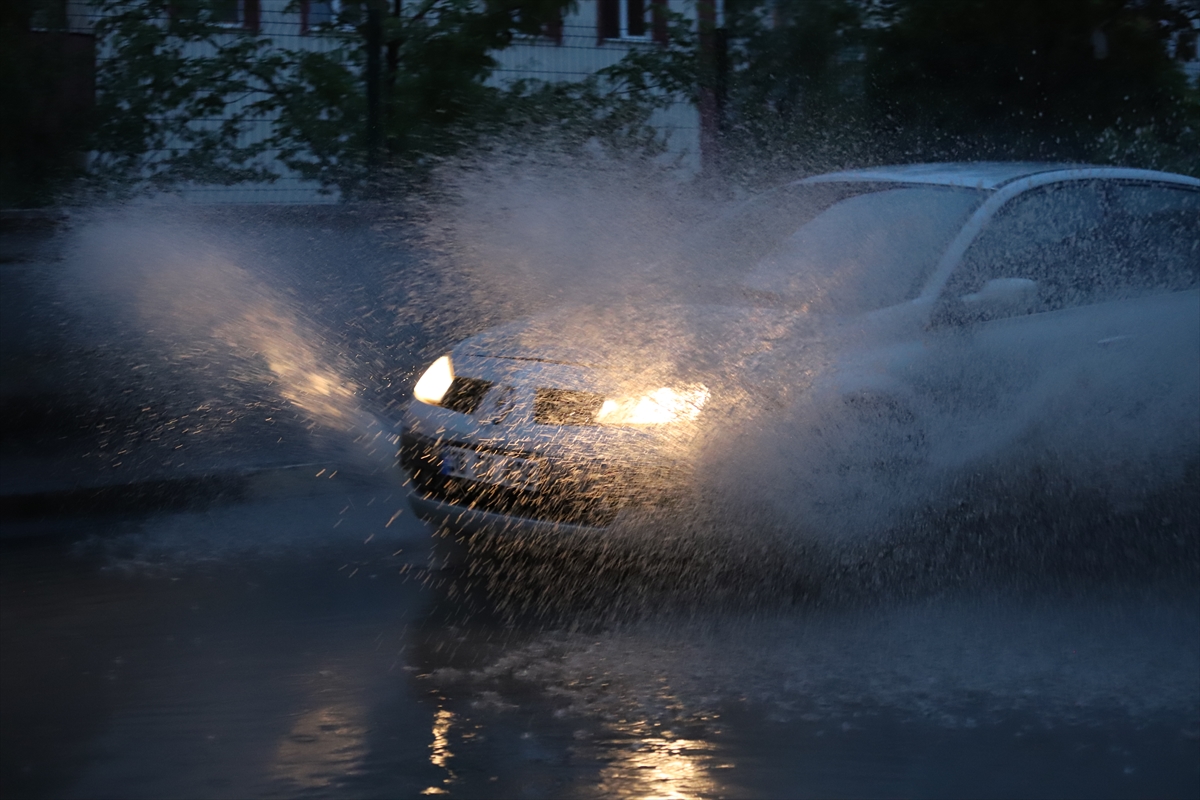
(300, 645)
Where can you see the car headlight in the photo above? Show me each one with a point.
(658, 407)
(435, 382)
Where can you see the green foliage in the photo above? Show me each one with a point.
(663, 74)
(437, 101)
(179, 91)
(319, 105)
(173, 89)
(796, 101)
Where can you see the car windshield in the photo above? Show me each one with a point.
(840, 248)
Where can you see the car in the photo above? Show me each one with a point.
(848, 341)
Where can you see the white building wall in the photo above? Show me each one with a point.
(580, 54)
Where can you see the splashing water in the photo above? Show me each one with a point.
(189, 299)
(619, 254)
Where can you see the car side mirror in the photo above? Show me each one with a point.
(1001, 297)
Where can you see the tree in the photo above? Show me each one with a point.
(172, 91)
(1069, 79)
(820, 84)
(795, 100)
(178, 91)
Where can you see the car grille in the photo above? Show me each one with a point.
(565, 407)
(567, 501)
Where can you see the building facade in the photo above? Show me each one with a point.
(593, 35)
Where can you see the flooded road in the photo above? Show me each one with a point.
(301, 645)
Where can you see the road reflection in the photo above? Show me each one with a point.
(439, 749)
(659, 767)
(322, 748)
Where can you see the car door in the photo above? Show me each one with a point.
(1142, 362)
(1089, 361)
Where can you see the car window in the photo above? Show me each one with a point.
(1055, 236)
(864, 252)
(1158, 233)
(739, 239)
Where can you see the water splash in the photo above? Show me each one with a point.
(192, 300)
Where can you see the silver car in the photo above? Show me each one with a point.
(858, 327)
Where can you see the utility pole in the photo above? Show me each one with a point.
(714, 72)
(374, 43)
(393, 48)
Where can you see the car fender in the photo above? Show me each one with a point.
(880, 373)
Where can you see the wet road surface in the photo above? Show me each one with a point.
(299, 644)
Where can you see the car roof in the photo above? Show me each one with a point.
(987, 174)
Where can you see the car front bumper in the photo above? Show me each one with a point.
(577, 494)
(466, 520)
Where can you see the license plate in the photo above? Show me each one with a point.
(495, 468)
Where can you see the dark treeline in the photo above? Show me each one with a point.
(820, 82)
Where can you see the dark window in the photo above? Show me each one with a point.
(608, 19)
(236, 13)
(627, 19)
(243, 14)
(635, 23)
(317, 13)
(1089, 243)
(227, 12)
(658, 17)
(1055, 236)
(554, 30)
(1157, 234)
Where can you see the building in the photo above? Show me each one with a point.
(596, 34)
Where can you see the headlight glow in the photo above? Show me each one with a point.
(658, 407)
(434, 384)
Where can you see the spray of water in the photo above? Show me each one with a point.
(217, 338)
(617, 264)
(627, 259)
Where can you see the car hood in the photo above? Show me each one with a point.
(678, 339)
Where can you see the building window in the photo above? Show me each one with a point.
(631, 19)
(554, 30)
(318, 13)
(236, 13)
